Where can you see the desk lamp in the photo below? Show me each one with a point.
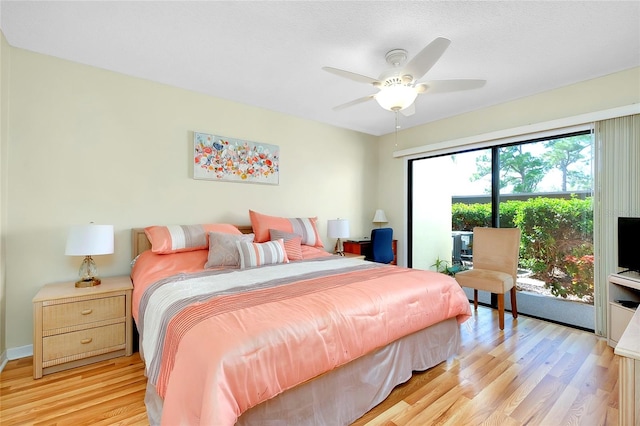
(338, 228)
(379, 218)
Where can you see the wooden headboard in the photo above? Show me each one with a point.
(140, 242)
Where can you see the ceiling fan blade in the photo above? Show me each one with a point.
(351, 75)
(426, 58)
(354, 102)
(409, 111)
(444, 86)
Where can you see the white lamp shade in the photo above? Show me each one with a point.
(89, 240)
(338, 228)
(396, 97)
(379, 217)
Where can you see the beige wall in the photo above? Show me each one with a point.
(615, 90)
(91, 145)
(4, 103)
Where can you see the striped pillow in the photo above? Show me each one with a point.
(305, 227)
(178, 238)
(291, 243)
(258, 254)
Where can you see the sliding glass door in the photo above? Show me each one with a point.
(543, 187)
(438, 185)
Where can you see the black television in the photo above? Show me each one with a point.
(629, 243)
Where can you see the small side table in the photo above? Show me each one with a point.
(78, 326)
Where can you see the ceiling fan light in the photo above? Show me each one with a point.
(396, 97)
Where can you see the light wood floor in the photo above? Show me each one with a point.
(532, 373)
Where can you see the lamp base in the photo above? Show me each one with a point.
(91, 282)
(339, 248)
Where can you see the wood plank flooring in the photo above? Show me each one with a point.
(532, 373)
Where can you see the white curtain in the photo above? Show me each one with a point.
(617, 193)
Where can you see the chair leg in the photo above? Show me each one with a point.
(514, 303)
(475, 299)
(501, 310)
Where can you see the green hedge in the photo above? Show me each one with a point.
(557, 238)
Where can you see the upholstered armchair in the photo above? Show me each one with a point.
(495, 266)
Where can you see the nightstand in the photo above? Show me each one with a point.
(78, 326)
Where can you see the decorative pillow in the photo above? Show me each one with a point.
(291, 243)
(177, 238)
(258, 254)
(305, 227)
(223, 250)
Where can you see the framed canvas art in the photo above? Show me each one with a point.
(235, 160)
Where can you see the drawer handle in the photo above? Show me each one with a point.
(85, 341)
(86, 311)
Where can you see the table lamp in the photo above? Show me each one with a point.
(379, 218)
(89, 240)
(338, 228)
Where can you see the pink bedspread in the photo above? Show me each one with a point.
(227, 353)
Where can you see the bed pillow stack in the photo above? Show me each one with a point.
(275, 240)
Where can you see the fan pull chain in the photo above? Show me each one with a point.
(397, 127)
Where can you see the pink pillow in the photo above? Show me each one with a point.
(305, 227)
(291, 243)
(178, 238)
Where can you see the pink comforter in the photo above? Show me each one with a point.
(225, 355)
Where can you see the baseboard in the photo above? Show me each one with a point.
(15, 353)
(19, 352)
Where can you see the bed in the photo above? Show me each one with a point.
(317, 340)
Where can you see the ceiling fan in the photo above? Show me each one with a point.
(399, 86)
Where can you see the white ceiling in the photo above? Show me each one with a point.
(270, 54)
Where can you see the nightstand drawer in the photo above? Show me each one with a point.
(83, 312)
(93, 340)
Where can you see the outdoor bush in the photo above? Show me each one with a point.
(551, 229)
(579, 265)
(508, 212)
(467, 216)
